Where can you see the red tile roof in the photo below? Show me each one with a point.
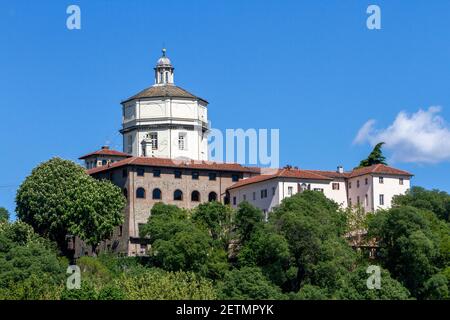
(282, 173)
(105, 151)
(173, 163)
(320, 174)
(378, 169)
(330, 174)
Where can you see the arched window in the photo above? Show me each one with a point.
(140, 193)
(178, 195)
(212, 196)
(125, 193)
(157, 194)
(195, 196)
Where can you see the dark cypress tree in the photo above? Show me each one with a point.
(375, 157)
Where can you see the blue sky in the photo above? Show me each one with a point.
(311, 69)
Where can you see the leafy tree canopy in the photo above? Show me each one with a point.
(4, 215)
(355, 287)
(246, 284)
(434, 200)
(29, 265)
(59, 198)
(269, 251)
(248, 218)
(313, 227)
(180, 243)
(160, 285)
(216, 218)
(413, 244)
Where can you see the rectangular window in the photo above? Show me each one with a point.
(349, 185)
(273, 191)
(349, 202)
(130, 144)
(381, 180)
(400, 181)
(177, 174)
(358, 201)
(381, 199)
(318, 189)
(182, 141)
(335, 186)
(120, 231)
(104, 162)
(212, 176)
(195, 175)
(367, 181)
(235, 178)
(366, 200)
(140, 172)
(263, 193)
(254, 195)
(290, 190)
(357, 183)
(156, 173)
(244, 197)
(153, 137)
(234, 200)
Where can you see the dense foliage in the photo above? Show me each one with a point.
(60, 199)
(213, 251)
(29, 265)
(4, 215)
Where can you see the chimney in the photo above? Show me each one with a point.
(105, 147)
(340, 169)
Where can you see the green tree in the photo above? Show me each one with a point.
(313, 227)
(180, 244)
(355, 287)
(436, 288)
(435, 201)
(155, 284)
(29, 265)
(269, 251)
(186, 250)
(59, 198)
(247, 284)
(216, 218)
(310, 292)
(248, 218)
(409, 248)
(99, 210)
(375, 157)
(4, 215)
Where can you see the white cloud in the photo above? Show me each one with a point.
(422, 137)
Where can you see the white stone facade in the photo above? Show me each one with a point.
(372, 191)
(165, 121)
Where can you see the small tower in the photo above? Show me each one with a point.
(164, 70)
